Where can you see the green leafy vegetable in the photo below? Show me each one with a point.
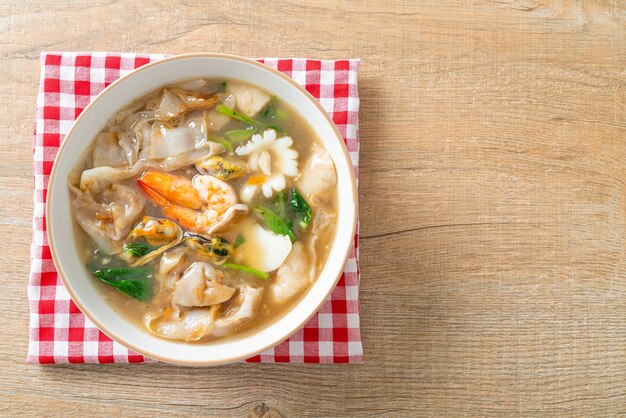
(246, 269)
(300, 208)
(223, 86)
(227, 144)
(237, 135)
(138, 248)
(274, 222)
(133, 282)
(225, 110)
(239, 240)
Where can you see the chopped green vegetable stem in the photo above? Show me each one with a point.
(227, 144)
(246, 269)
(225, 110)
(280, 204)
(237, 135)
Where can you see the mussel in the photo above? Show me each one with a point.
(151, 237)
(216, 248)
(222, 168)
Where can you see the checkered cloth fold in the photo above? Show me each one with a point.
(59, 332)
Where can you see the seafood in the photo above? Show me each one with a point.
(150, 238)
(270, 160)
(217, 249)
(204, 204)
(222, 168)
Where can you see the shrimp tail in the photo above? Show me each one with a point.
(183, 216)
(175, 188)
(154, 195)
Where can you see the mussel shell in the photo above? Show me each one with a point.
(167, 234)
(222, 168)
(216, 248)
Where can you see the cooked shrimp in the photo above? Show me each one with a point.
(204, 204)
(178, 189)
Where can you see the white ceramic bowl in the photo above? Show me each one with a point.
(79, 282)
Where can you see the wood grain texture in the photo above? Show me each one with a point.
(493, 206)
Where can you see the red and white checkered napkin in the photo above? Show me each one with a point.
(59, 332)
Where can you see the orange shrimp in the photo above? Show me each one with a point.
(204, 204)
(178, 189)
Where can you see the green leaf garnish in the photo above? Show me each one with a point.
(246, 269)
(225, 110)
(133, 282)
(223, 86)
(138, 248)
(300, 208)
(227, 144)
(239, 240)
(274, 222)
(237, 135)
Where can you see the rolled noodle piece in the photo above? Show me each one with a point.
(294, 275)
(191, 325)
(201, 285)
(109, 220)
(318, 174)
(250, 298)
(98, 178)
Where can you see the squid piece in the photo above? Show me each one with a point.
(270, 160)
(108, 221)
(250, 100)
(201, 285)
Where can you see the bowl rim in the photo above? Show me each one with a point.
(226, 359)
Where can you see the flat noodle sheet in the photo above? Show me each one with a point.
(59, 332)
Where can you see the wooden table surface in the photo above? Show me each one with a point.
(492, 201)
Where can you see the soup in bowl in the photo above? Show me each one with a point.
(201, 209)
